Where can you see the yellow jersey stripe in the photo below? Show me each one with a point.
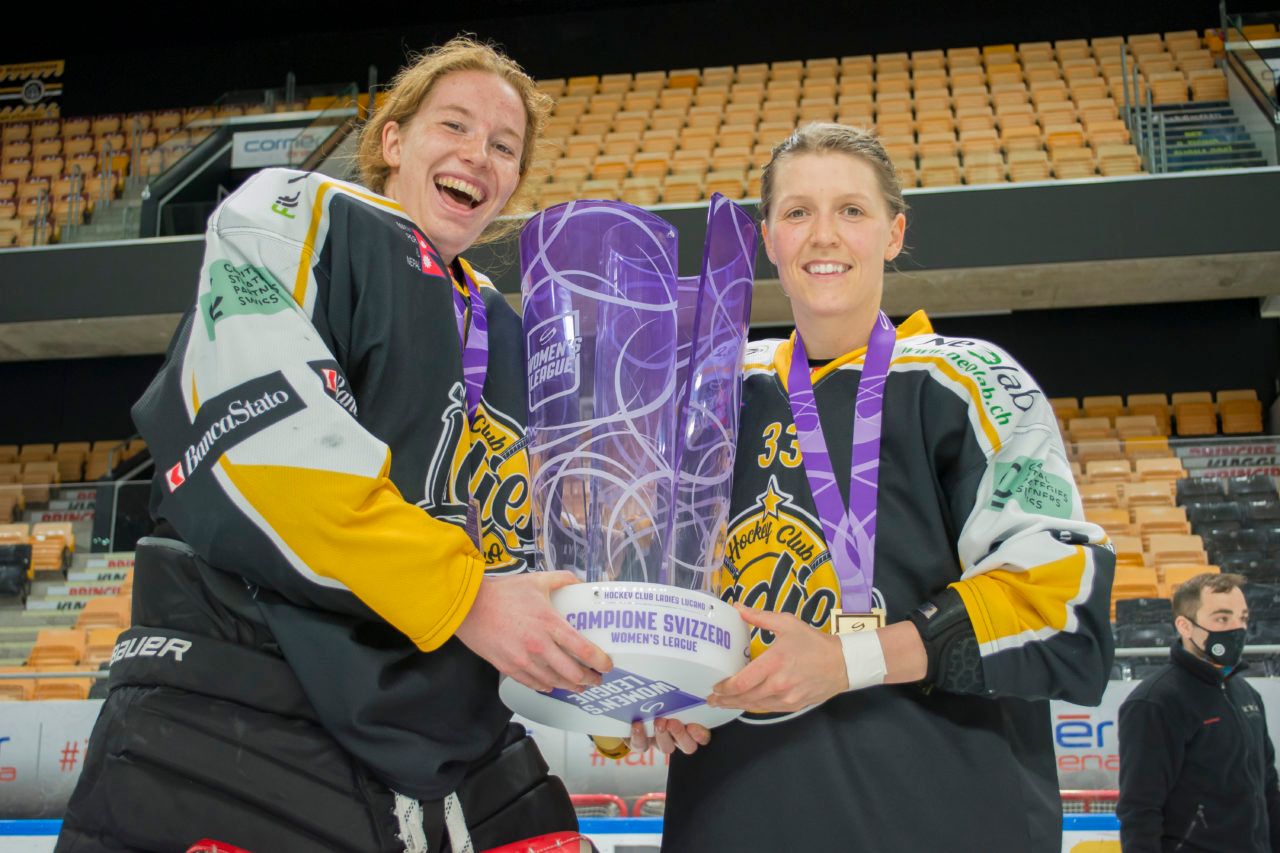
(917, 324)
(1004, 604)
(968, 384)
(317, 214)
(418, 573)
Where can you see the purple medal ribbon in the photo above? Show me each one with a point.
(475, 342)
(475, 365)
(851, 532)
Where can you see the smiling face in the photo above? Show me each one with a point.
(455, 164)
(830, 232)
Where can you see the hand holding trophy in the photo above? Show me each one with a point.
(634, 390)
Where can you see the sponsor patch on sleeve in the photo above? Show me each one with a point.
(231, 417)
(335, 385)
(1025, 482)
(239, 290)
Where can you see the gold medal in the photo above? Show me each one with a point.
(854, 623)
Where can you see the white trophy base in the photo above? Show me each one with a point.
(669, 647)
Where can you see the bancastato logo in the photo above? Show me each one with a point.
(231, 417)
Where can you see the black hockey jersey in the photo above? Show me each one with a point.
(310, 433)
(976, 494)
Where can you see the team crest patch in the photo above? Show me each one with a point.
(776, 559)
(485, 461)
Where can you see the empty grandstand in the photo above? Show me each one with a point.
(1098, 199)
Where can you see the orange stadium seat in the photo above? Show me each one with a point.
(99, 644)
(1159, 469)
(1115, 521)
(12, 689)
(62, 688)
(1108, 469)
(1172, 548)
(1128, 550)
(1090, 449)
(113, 611)
(1156, 493)
(1147, 447)
(1135, 582)
(57, 647)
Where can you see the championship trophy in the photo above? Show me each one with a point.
(634, 391)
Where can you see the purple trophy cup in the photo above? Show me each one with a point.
(634, 377)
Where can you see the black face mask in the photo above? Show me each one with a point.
(1222, 647)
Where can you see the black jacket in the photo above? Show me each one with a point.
(1197, 769)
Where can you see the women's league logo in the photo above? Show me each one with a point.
(553, 348)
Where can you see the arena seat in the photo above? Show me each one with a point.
(112, 611)
(1135, 582)
(1151, 520)
(1129, 551)
(1176, 575)
(1262, 512)
(57, 647)
(1172, 548)
(1157, 493)
(1214, 512)
(1251, 488)
(1147, 634)
(1136, 426)
(1240, 416)
(1263, 599)
(36, 487)
(1100, 495)
(1103, 470)
(62, 688)
(1115, 521)
(1168, 468)
(36, 453)
(1195, 418)
(1110, 406)
(99, 643)
(16, 689)
(1089, 428)
(52, 544)
(1196, 490)
(1264, 631)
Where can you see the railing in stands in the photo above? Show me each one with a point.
(1248, 61)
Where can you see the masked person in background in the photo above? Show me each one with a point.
(337, 575)
(1197, 768)
(914, 488)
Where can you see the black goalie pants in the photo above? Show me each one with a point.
(169, 765)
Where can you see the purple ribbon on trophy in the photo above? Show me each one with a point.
(634, 388)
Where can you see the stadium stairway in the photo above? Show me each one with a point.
(118, 219)
(1206, 136)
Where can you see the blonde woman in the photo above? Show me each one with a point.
(911, 489)
(336, 577)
